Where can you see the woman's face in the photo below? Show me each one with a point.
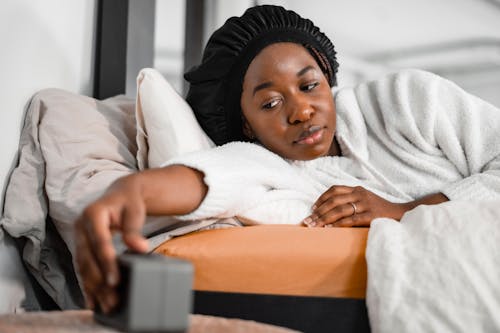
(287, 103)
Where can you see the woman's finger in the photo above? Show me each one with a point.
(333, 203)
(100, 238)
(333, 197)
(132, 223)
(107, 298)
(87, 267)
(336, 214)
(356, 220)
(91, 275)
(332, 192)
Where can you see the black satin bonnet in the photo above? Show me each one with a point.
(216, 84)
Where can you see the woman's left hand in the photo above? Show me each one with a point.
(345, 206)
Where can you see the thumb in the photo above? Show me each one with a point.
(136, 241)
(132, 222)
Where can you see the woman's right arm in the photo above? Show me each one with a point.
(173, 190)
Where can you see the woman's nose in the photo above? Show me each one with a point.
(300, 112)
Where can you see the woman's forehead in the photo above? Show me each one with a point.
(279, 58)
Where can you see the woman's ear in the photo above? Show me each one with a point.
(247, 130)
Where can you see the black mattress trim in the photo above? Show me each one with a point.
(303, 313)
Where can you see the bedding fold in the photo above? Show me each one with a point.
(72, 148)
(437, 270)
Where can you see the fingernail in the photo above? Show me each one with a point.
(314, 207)
(111, 279)
(307, 220)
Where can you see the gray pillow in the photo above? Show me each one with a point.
(72, 147)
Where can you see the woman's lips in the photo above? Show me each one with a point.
(311, 136)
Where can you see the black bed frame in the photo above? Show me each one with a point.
(302, 313)
(112, 63)
(125, 42)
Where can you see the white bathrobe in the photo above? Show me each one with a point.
(405, 136)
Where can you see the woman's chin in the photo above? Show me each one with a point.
(309, 153)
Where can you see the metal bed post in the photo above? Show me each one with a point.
(124, 45)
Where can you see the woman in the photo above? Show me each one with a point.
(377, 150)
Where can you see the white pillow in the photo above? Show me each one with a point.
(166, 125)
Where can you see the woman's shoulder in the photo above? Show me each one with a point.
(243, 148)
(402, 77)
(413, 73)
(400, 86)
(412, 78)
(248, 153)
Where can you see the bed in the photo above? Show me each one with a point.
(408, 276)
(313, 280)
(73, 147)
(436, 269)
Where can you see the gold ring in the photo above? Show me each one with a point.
(355, 209)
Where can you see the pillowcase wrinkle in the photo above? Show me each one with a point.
(78, 137)
(71, 148)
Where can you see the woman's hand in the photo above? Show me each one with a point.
(345, 206)
(122, 208)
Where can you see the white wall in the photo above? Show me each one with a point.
(371, 37)
(361, 27)
(44, 44)
(169, 32)
(169, 40)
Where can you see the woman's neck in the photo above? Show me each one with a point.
(334, 148)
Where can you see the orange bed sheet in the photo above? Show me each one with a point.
(276, 259)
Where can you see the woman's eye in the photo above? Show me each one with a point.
(270, 104)
(309, 86)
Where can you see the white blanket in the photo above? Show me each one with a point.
(438, 270)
